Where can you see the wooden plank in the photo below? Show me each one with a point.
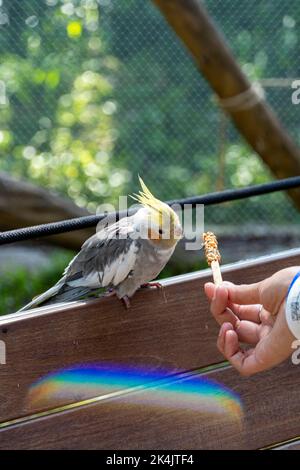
(294, 444)
(151, 419)
(164, 329)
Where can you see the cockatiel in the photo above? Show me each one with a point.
(121, 257)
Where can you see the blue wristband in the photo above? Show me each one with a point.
(292, 308)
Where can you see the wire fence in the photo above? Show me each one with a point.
(94, 92)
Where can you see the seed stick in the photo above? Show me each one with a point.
(213, 256)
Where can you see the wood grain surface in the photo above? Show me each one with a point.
(150, 419)
(165, 329)
(292, 445)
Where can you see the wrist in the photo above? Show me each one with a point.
(292, 308)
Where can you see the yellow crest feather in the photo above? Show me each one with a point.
(146, 198)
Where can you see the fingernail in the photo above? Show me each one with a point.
(221, 330)
(215, 294)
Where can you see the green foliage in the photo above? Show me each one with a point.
(100, 90)
(57, 127)
(18, 285)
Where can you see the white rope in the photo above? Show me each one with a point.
(245, 100)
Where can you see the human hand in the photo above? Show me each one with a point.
(253, 314)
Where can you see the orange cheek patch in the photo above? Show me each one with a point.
(152, 235)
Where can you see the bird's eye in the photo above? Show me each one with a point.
(160, 231)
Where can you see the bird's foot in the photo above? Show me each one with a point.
(126, 301)
(158, 285)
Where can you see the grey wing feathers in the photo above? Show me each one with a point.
(103, 261)
(58, 294)
(41, 299)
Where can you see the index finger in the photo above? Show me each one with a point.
(243, 294)
(219, 304)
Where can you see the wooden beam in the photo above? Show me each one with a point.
(293, 444)
(258, 124)
(164, 329)
(22, 204)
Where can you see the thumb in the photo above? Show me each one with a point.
(243, 294)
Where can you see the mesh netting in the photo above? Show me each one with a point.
(94, 92)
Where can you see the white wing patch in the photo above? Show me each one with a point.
(93, 281)
(113, 273)
(126, 264)
(109, 272)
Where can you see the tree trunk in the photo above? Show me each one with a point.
(23, 204)
(258, 123)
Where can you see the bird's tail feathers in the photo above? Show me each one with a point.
(62, 293)
(40, 299)
(71, 293)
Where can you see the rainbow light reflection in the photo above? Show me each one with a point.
(163, 388)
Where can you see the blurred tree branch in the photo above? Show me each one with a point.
(258, 123)
(22, 204)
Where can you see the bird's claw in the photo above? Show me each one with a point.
(126, 301)
(158, 285)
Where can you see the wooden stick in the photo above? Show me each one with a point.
(216, 271)
(213, 256)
